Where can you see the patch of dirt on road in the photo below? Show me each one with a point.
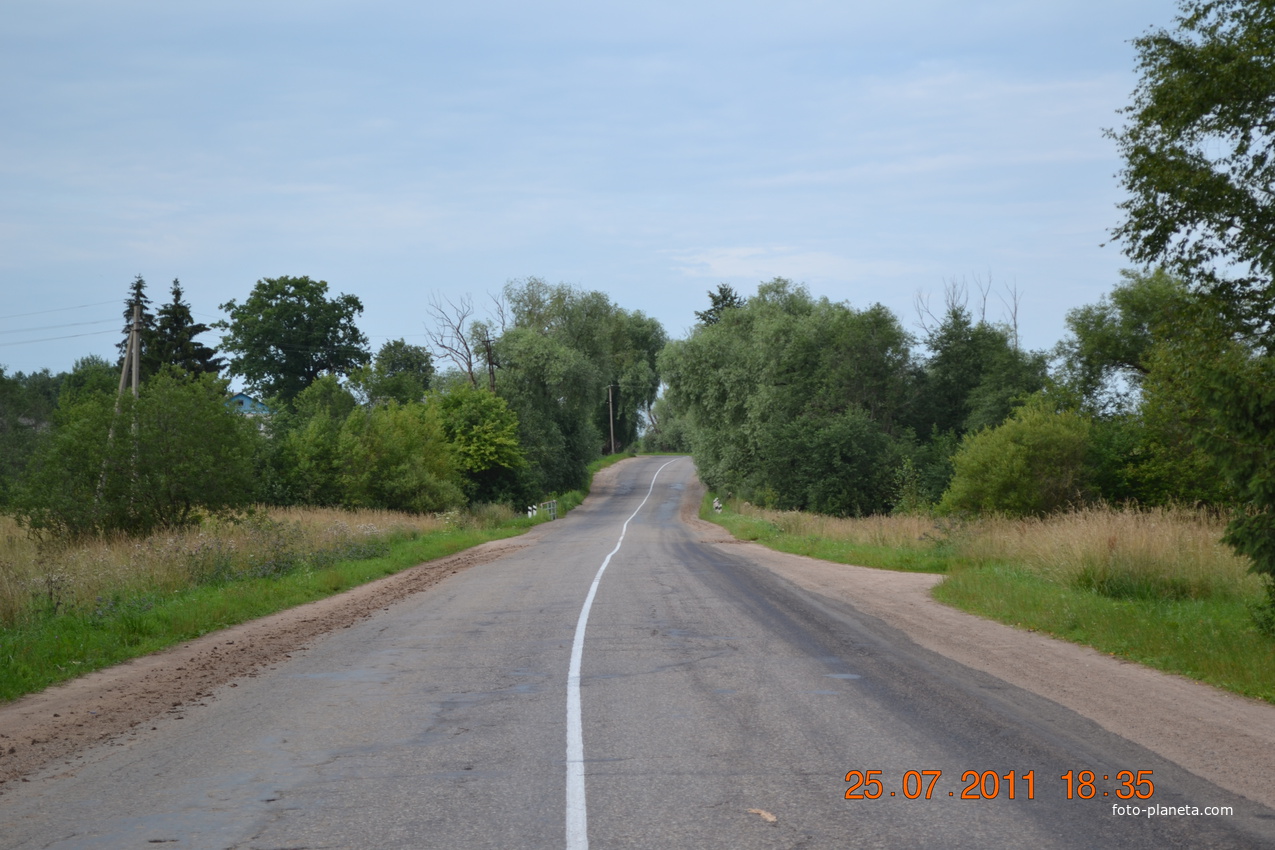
(39, 729)
(1226, 739)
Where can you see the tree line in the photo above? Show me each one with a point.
(1163, 391)
(561, 368)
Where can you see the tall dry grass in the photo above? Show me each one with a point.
(89, 574)
(905, 531)
(1171, 552)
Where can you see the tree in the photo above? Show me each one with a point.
(288, 333)
(172, 340)
(184, 455)
(794, 401)
(26, 405)
(306, 467)
(146, 328)
(399, 372)
(1199, 156)
(396, 457)
(483, 433)
(89, 375)
(1032, 464)
(974, 375)
(841, 465)
(725, 298)
(1112, 341)
(1122, 362)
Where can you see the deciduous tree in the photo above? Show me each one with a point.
(288, 332)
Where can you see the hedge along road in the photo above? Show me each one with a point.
(719, 706)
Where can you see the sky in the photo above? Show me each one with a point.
(403, 151)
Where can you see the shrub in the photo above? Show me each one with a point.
(161, 460)
(1032, 464)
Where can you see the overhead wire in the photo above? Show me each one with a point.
(56, 310)
(52, 338)
(58, 327)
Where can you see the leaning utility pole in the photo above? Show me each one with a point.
(130, 368)
(132, 356)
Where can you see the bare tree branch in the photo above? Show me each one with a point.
(925, 317)
(1012, 299)
(448, 336)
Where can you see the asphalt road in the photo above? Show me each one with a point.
(719, 707)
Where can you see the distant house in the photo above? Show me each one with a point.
(244, 403)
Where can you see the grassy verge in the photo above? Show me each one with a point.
(1155, 587)
(779, 531)
(69, 612)
(52, 648)
(1211, 640)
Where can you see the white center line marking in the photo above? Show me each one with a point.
(577, 812)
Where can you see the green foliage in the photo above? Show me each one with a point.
(553, 390)
(306, 465)
(610, 347)
(26, 406)
(172, 341)
(725, 298)
(88, 376)
(1198, 152)
(973, 377)
(1032, 464)
(924, 473)
(1236, 391)
(553, 364)
(667, 430)
(1199, 167)
(790, 400)
(840, 465)
(399, 372)
(396, 457)
(163, 460)
(1112, 341)
(483, 434)
(288, 333)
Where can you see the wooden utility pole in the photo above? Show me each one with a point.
(132, 356)
(130, 368)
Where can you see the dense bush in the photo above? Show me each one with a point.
(397, 457)
(161, 460)
(1034, 463)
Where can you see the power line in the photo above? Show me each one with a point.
(59, 327)
(55, 310)
(52, 338)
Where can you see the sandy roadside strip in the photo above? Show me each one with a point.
(1226, 739)
(106, 706)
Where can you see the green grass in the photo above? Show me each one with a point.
(918, 560)
(62, 645)
(1212, 640)
(56, 648)
(1211, 637)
